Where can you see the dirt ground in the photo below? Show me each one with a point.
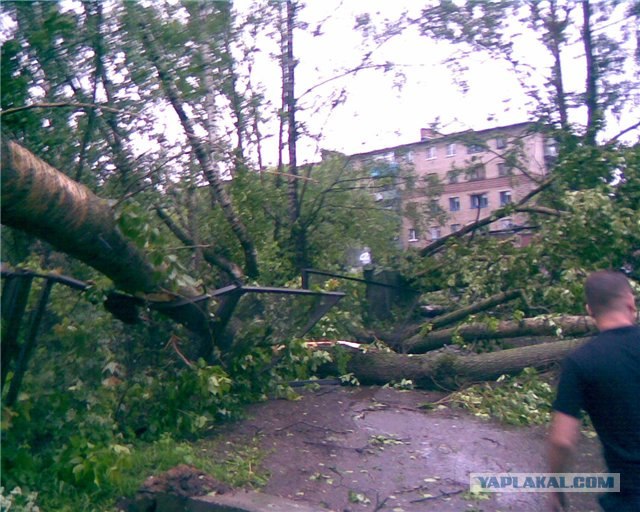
(375, 449)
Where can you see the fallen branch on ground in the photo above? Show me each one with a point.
(539, 326)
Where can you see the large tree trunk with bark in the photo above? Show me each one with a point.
(452, 371)
(542, 326)
(591, 93)
(42, 201)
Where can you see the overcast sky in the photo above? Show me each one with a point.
(388, 109)
(381, 111)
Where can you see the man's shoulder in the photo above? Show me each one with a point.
(603, 346)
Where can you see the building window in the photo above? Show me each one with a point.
(431, 153)
(454, 204)
(505, 197)
(434, 206)
(479, 201)
(550, 148)
(455, 227)
(476, 173)
(451, 149)
(452, 176)
(506, 223)
(504, 169)
(389, 156)
(435, 233)
(413, 235)
(501, 143)
(474, 148)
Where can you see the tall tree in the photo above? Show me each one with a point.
(201, 152)
(488, 27)
(298, 233)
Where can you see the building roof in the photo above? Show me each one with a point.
(443, 138)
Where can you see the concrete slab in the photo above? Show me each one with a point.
(247, 501)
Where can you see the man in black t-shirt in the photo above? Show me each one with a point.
(603, 379)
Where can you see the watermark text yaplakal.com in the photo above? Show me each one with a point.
(544, 482)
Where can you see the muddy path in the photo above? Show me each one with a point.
(375, 449)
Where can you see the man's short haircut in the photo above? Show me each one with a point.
(605, 290)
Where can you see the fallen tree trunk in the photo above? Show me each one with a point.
(452, 371)
(42, 201)
(526, 341)
(483, 305)
(414, 333)
(568, 325)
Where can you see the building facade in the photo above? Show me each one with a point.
(444, 182)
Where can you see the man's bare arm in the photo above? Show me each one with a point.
(563, 438)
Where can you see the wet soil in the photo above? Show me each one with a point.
(376, 449)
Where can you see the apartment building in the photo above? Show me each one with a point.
(446, 181)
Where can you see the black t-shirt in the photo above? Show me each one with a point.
(603, 379)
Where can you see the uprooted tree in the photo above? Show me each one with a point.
(92, 87)
(42, 201)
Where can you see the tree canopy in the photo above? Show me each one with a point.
(144, 127)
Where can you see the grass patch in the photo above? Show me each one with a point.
(240, 466)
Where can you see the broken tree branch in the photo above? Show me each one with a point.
(497, 214)
(413, 335)
(208, 252)
(540, 326)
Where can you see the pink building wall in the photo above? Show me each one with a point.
(433, 156)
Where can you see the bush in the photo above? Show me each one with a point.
(99, 397)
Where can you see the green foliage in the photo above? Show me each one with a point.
(595, 227)
(103, 405)
(358, 497)
(100, 400)
(339, 213)
(240, 466)
(521, 400)
(346, 315)
(403, 385)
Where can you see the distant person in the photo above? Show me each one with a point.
(365, 257)
(603, 379)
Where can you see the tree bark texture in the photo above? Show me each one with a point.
(44, 202)
(451, 371)
(298, 230)
(568, 325)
